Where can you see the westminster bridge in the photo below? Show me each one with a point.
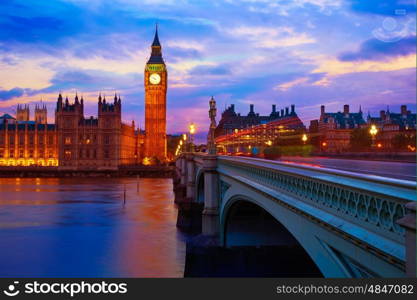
(349, 224)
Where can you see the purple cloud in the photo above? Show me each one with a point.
(374, 49)
(8, 94)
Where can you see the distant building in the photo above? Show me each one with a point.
(231, 120)
(335, 128)
(236, 133)
(73, 142)
(24, 142)
(391, 124)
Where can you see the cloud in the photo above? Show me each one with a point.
(287, 85)
(374, 49)
(386, 7)
(9, 94)
(210, 70)
(334, 67)
(269, 37)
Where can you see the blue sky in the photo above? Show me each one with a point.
(302, 52)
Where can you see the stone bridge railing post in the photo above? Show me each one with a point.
(409, 223)
(210, 221)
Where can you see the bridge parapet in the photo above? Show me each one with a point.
(372, 202)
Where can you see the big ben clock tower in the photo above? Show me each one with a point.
(156, 79)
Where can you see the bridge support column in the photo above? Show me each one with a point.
(409, 223)
(189, 211)
(183, 170)
(180, 180)
(190, 194)
(210, 222)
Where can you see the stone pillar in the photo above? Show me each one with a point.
(211, 222)
(183, 170)
(190, 194)
(409, 223)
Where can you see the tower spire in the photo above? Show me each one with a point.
(156, 38)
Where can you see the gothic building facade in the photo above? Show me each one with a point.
(99, 143)
(73, 142)
(24, 142)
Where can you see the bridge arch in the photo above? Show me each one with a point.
(199, 183)
(245, 222)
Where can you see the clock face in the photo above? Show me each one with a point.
(154, 78)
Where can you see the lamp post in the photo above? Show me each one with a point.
(304, 138)
(373, 131)
(192, 131)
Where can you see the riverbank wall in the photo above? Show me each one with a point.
(45, 172)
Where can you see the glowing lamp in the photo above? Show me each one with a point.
(192, 128)
(373, 131)
(304, 138)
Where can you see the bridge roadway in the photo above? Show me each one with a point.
(390, 169)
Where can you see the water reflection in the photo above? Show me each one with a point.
(79, 227)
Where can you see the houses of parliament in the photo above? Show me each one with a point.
(75, 142)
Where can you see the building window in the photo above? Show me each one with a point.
(68, 123)
(40, 139)
(106, 153)
(94, 153)
(67, 140)
(11, 153)
(67, 154)
(11, 140)
(31, 139)
(87, 153)
(51, 153)
(31, 153)
(51, 140)
(21, 139)
(1, 154)
(106, 139)
(21, 153)
(81, 154)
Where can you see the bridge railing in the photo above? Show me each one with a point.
(373, 202)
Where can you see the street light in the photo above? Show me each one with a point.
(373, 131)
(192, 131)
(304, 138)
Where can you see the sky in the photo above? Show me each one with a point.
(262, 52)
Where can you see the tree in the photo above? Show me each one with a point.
(360, 139)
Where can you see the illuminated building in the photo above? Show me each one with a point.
(73, 142)
(236, 133)
(27, 143)
(156, 79)
(99, 143)
(335, 128)
(391, 124)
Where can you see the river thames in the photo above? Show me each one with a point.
(80, 227)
